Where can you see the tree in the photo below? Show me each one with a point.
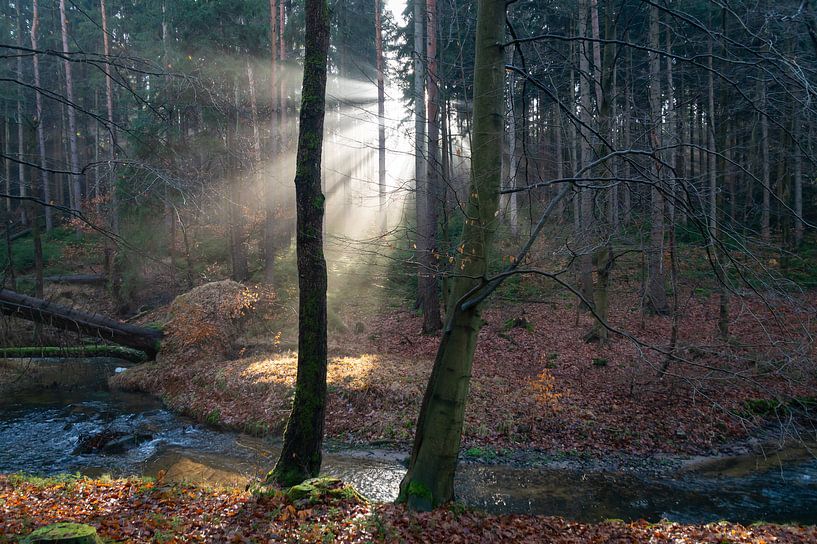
(76, 181)
(21, 152)
(113, 261)
(656, 294)
(381, 105)
(38, 101)
(429, 286)
(269, 200)
(429, 481)
(301, 452)
(585, 217)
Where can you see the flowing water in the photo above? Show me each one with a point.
(40, 433)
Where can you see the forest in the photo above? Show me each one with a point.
(408, 271)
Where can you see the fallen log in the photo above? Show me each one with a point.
(19, 234)
(78, 279)
(62, 317)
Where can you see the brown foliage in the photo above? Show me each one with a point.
(205, 322)
(141, 512)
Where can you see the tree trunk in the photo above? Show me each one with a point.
(21, 149)
(798, 182)
(38, 253)
(274, 105)
(6, 158)
(559, 156)
(420, 173)
(381, 106)
(8, 268)
(604, 76)
(723, 301)
(429, 289)
(673, 138)
(627, 199)
(45, 190)
(115, 268)
(765, 228)
(235, 197)
(269, 201)
(656, 294)
(256, 133)
(65, 318)
(587, 220)
(429, 481)
(301, 451)
(513, 158)
(76, 181)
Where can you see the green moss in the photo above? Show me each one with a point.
(118, 352)
(477, 452)
(47, 481)
(69, 533)
(214, 417)
(284, 475)
(418, 489)
(256, 428)
(23, 252)
(600, 362)
(762, 407)
(518, 323)
(769, 407)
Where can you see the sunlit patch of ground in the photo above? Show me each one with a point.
(536, 384)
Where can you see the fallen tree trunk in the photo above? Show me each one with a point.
(62, 317)
(19, 234)
(78, 279)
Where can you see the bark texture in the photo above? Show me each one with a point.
(656, 294)
(301, 452)
(429, 288)
(76, 182)
(429, 481)
(63, 317)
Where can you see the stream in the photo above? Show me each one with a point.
(52, 431)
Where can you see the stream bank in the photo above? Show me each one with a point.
(42, 433)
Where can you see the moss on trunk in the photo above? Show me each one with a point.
(301, 452)
(429, 481)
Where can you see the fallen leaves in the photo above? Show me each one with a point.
(534, 387)
(138, 511)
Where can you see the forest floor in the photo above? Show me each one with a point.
(536, 384)
(538, 389)
(139, 510)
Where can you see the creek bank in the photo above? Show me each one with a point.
(40, 431)
(33, 373)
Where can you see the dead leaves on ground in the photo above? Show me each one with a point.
(534, 387)
(140, 512)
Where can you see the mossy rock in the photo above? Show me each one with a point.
(322, 487)
(64, 533)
